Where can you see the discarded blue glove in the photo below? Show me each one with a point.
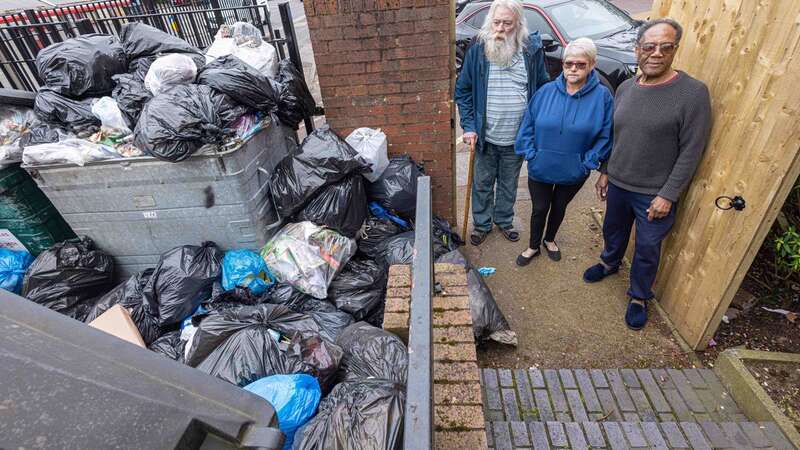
(486, 271)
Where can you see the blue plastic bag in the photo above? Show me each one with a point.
(246, 268)
(379, 211)
(294, 397)
(13, 265)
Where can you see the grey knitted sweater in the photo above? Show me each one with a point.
(660, 133)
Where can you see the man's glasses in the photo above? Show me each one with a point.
(575, 64)
(667, 48)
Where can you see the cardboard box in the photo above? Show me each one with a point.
(117, 322)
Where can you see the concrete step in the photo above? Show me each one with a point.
(503, 435)
(616, 395)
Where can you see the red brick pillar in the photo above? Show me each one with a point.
(387, 64)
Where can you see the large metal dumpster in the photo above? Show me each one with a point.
(138, 208)
(69, 386)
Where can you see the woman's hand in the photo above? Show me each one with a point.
(601, 187)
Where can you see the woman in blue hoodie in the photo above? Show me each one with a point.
(565, 134)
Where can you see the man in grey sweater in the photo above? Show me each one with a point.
(662, 121)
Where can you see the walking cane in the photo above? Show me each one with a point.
(469, 189)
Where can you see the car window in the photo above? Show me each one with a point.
(476, 21)
(537, 22)
(589, 18)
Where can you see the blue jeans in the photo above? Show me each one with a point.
(622, 210)
(498, 165)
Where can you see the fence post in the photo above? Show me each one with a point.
(217, 13)
(418, 426)
(291, 37)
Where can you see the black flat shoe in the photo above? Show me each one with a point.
(554, 255)
(523, 260)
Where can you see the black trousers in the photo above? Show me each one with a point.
(549, 205)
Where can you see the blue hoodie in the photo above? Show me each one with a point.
(563, 137)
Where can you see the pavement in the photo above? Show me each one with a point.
(560, 320)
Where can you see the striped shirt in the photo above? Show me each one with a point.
(506, 101)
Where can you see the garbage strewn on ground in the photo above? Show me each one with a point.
(147, 92)
(298, 321)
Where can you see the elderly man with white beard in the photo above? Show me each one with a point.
(500, 74)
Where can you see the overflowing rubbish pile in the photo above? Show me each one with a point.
(147, 92)
(298, 322)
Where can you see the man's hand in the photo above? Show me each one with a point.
(470, 138)
(601, 187)
(659, 208)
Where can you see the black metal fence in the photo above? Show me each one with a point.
(418, 431)
(24, 34)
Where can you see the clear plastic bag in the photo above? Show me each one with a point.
(169, 70)
(14, 123)
(110, 116)
(68, 151)
(372, 146)
(244, 41)
(308, 256)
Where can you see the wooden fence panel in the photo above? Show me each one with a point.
(748, 53)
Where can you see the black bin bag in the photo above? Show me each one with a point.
(399, 249)
(140, 40)
(69, 276)
(60, 111)
(365, 414)
(232, 76)
(360, 288)
(169, 345)
(240, 344)
(341, 206)
(183, 279)
(177, 122)
(130, 295)
(322, 159)
(396, 189)
(331, 321)
(131, 96)
(488, 321)
(82, 66)
(371, 352)
(294, 99)
(375, 231)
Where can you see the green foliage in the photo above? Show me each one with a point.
(787, 250)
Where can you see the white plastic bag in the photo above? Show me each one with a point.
(69, 151)
(373, 147)
(168, 70)
(243, 40)
(308, 256)
(110, 116)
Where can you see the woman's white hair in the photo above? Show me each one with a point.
(582, 47)
(521, 30)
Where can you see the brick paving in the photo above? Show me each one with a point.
(617, 409)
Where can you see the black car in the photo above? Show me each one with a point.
(560, 21)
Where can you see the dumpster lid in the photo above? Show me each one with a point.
(67, 385)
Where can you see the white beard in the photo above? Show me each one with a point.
(501, 51)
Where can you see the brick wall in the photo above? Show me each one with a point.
(387, 64)
(458, 404)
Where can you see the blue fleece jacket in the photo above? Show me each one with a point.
(563, 137)
(473, 83)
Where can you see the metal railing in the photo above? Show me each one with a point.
(418, 431)
(25, 33)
